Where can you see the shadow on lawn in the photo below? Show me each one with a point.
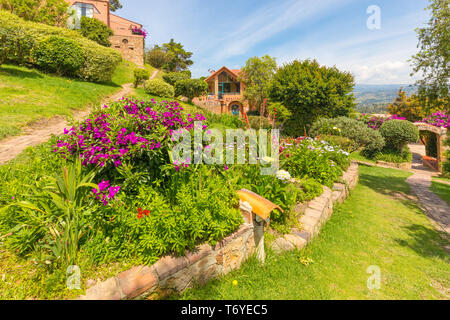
(18, 73)
(425, 241)
(384, 184)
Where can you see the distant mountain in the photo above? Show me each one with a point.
(372, 98)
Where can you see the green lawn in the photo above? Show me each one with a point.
(357, 156)
(442, 190)
(27, 95)
(125, 72)
(377, 225)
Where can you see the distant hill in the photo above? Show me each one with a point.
(375, 98)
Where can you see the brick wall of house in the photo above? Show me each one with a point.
(102, 6)
(131, 46)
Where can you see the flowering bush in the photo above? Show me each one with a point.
(139, 31)
(438, 119)
(376, 122)
(309, 158)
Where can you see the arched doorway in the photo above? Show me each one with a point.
(235, 108)
(434, 144)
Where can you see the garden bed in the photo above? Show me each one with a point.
(175, 274)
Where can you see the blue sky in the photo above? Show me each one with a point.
(332, 31)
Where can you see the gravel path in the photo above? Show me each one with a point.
(436, 208)
(13, 146)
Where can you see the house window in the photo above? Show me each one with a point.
(84, 10)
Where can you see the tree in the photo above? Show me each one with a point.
(311, 91)
(432, 61)
(172, 77)
(190, 88)
(257, 75)
(407, 107)
(156, 57)
(114, 5)
(178, 59)
(95, 30)
(51, 12)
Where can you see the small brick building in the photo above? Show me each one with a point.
(130, 45)
(225, 93)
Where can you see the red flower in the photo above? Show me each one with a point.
(142, 212)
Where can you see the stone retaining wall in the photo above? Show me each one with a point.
(175, 274)
(316, 212)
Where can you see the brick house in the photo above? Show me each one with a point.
(130, 45)
(225, 93)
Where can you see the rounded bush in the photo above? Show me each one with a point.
(59, 55)
(172, 77)
(398, 133)
(159, 88)
(190, 88)
(357, 131)
(140, 75)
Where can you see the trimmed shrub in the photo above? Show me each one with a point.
(397, 134)
(95, 30)
(190, 88)
(99, 62)
(58, 55)
(15, 45)
(159, 88)
(140, 75)
(173, 77)
(355, 130)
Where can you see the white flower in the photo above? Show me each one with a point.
(283, 175)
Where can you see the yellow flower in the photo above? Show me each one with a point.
(235, 282)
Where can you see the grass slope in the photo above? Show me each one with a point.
(27, 95)
(370, 228)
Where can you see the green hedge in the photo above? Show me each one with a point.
(99, 62)
(58, 55)
(159, 88)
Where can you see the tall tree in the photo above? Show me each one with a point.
(311, 91)
(257, 75)
(432, 62)
(407, 107)
(114, 5)
(51, 12)
(156, 57)
(178, 59)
